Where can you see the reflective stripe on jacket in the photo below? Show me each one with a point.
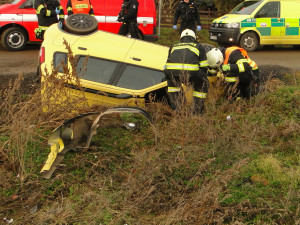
(184, 56)
(244, 53)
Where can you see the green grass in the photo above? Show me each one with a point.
(205, 169)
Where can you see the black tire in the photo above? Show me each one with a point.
(296, 46)
(14, 39)
(81, 24)
(249, 41)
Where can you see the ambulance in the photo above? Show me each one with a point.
(18, 20)
(253, 23)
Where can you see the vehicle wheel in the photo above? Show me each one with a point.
(81, 24)
(296, 46)
(249, 41)
(14, 39)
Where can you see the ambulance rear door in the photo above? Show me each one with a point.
(290, 13)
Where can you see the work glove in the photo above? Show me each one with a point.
(175, 27)
(57, 10)
(198, 28)
(225, 68)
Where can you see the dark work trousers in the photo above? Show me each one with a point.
(187, 25)
(196, 79)
(243, 88)
(129, 27)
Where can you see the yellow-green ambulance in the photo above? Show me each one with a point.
(254, 23)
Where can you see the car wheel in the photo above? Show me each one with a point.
(14, 39)
(81, 24)
(249, 41)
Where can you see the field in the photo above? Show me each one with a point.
(208, 169)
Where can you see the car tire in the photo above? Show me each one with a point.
(81, 24)
(14, 39)
(249, 41)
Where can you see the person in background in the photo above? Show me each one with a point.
(47, 11)
(80, 6)
(187, 62)
(189, 16)
(241, 74)
(128, 18)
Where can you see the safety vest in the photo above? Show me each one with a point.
(81, 6)
(244, 53)
(185, 56)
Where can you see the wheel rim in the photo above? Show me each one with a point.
(81, 22)
(15, 39)
(249, 42)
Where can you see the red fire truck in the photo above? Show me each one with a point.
(18, 20)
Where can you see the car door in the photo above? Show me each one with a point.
(269, 24)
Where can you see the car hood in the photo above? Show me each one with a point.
(231, 18)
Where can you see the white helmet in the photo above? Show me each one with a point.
(188, 32)
(214, 58)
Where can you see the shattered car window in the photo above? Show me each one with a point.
(137, 78)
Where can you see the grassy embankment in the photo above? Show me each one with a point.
(205, 170)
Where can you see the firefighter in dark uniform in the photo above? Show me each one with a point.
(47, 11)
(80, 6)
(240, 72)
(128, 17)
(187, 62)
(189, 16)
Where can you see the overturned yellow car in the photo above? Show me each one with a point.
(113, 69)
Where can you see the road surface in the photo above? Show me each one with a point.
(27, 60)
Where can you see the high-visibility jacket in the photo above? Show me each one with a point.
(80, 6)
(45, 11)
(188, 56)
(240, 65)
(244, 53)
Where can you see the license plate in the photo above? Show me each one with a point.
(213, 37)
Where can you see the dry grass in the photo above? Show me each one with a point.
(191, 177)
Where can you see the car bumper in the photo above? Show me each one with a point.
(225, 35)
(151, 38)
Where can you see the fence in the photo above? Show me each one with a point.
(167, 16)
(206, 17)
(4, 1)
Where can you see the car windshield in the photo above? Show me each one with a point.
(246, 8)
(137, 78)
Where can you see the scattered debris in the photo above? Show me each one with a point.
(8, 220)
(77, 134)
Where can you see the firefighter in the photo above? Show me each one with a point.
(47, 11)
(128, 17)
(187, 62)
(189, 16)
(240, 72)
(80, 6)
